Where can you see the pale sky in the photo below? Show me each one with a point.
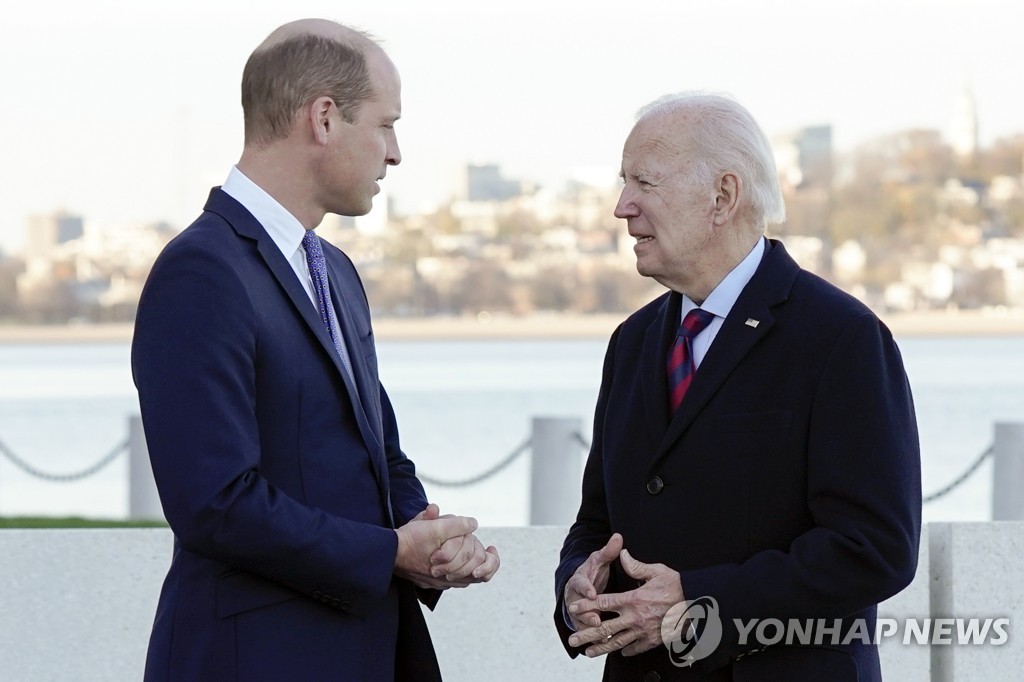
(128, 110)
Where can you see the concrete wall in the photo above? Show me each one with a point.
(908, 663)
(504, 630)
(977, 571)
(77, 606)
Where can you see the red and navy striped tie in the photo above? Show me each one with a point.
(680, 360)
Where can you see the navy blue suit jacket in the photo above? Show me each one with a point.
(281, 480)
(789, 477)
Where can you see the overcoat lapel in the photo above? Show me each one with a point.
(767, 288)
(733, 342)
(658, 338)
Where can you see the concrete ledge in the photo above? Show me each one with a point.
(504, 630)
(908, 663)
(977, 572)
(78, 605)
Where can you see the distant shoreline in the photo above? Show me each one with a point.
(537, 327)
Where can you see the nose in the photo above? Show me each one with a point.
(394, 154)
(625, 208)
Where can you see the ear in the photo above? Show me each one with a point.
(727, 198)
(319, 113)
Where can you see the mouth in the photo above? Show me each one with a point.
(643, 239)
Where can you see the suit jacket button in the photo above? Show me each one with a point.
(655, 486)
(317, 594)
(652, 676)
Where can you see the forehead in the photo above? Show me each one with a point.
(384, 78)
(656, 138)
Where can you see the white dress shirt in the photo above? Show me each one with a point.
(284, 229)
(721, 300)
(286, 232)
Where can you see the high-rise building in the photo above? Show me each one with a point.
(804, 157)
(46, 232)
(486, 183)
(965, 124)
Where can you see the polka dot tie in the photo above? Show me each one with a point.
(318, 275)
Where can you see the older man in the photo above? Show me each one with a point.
(302, 536)
(755, 451)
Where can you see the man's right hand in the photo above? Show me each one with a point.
(590, 580)
(420, 538)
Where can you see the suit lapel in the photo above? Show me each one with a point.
(285, 276)
(366, 383)
(367, 400)
(246, 225)
(767, 288)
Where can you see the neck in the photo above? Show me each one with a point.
(721, 257)
(282, 177)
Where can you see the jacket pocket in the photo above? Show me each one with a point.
(243, 591)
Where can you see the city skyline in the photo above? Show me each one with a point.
(124, 114)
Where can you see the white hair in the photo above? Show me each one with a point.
(725, 138)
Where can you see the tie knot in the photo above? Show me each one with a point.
(695, 322)
(311, 243)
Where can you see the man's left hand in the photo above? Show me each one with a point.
(461, 560)
(638, 626)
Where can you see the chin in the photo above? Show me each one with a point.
(651, 274)
(643, 268)
(353, 210)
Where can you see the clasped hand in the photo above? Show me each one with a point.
(439, 552)
(639, 613)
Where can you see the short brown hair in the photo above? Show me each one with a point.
(280, 79)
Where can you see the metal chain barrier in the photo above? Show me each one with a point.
(962, 477)
(64, 478)
(466, 482)
(444, 483)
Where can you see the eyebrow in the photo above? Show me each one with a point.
(637, 172)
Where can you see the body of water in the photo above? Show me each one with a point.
(463, 406)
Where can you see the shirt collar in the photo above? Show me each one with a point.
(724, 296)
(284, 229)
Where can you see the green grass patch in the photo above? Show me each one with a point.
(74, 522)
